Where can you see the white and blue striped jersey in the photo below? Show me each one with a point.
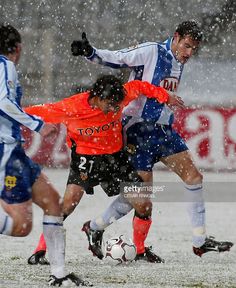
(11, 114)
(152, 62)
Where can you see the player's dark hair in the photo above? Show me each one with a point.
(190, 28)
(108, 87)
(9, 37)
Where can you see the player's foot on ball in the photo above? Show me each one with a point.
(67, 281)
(149, 256)
(38, 258)
(94, 239)
(212, 245)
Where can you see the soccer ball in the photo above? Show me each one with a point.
(120, 249)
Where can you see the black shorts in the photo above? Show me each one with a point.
(109, 171)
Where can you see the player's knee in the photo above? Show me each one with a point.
(193, 177)
(46, 196)
(146, 176)
(25, 229)
(52, 204)
(69, 206)
(74, 199)
(71, 200)
(144, 209)
(22, 228)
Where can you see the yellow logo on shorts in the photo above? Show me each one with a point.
(10, 182)
(83, 176)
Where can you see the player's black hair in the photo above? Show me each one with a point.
(9, 37)
(108, 87)
(190, 28)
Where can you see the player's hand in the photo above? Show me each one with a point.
(175, 101)
(81, 47)
(48, 129)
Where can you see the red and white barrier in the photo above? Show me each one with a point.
(51, 151)
(210, 134)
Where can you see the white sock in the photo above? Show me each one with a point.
(196, 211)
(6, 223)
(54, 234)
(116, 210)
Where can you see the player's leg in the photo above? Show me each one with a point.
(182, 164)
(78, 181)
(38, 256)
(94, 229)
(72, 197)
(120, 207)
(46, 197)
(143, 153)
(143, 157)
(142, 222)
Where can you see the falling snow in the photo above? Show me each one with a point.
(48, 72)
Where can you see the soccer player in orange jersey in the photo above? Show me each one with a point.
(94, 134)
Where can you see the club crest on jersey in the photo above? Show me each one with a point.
(170, 84)
(83, 176)
(10, 182)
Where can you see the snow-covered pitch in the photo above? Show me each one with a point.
(170, 236)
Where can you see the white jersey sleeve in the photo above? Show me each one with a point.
(11, 114)
(129, 57)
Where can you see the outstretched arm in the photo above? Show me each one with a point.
(57, 112)
(129, 57)
(135, 88)
(48, 112)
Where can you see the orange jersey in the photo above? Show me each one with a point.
(93, 131)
